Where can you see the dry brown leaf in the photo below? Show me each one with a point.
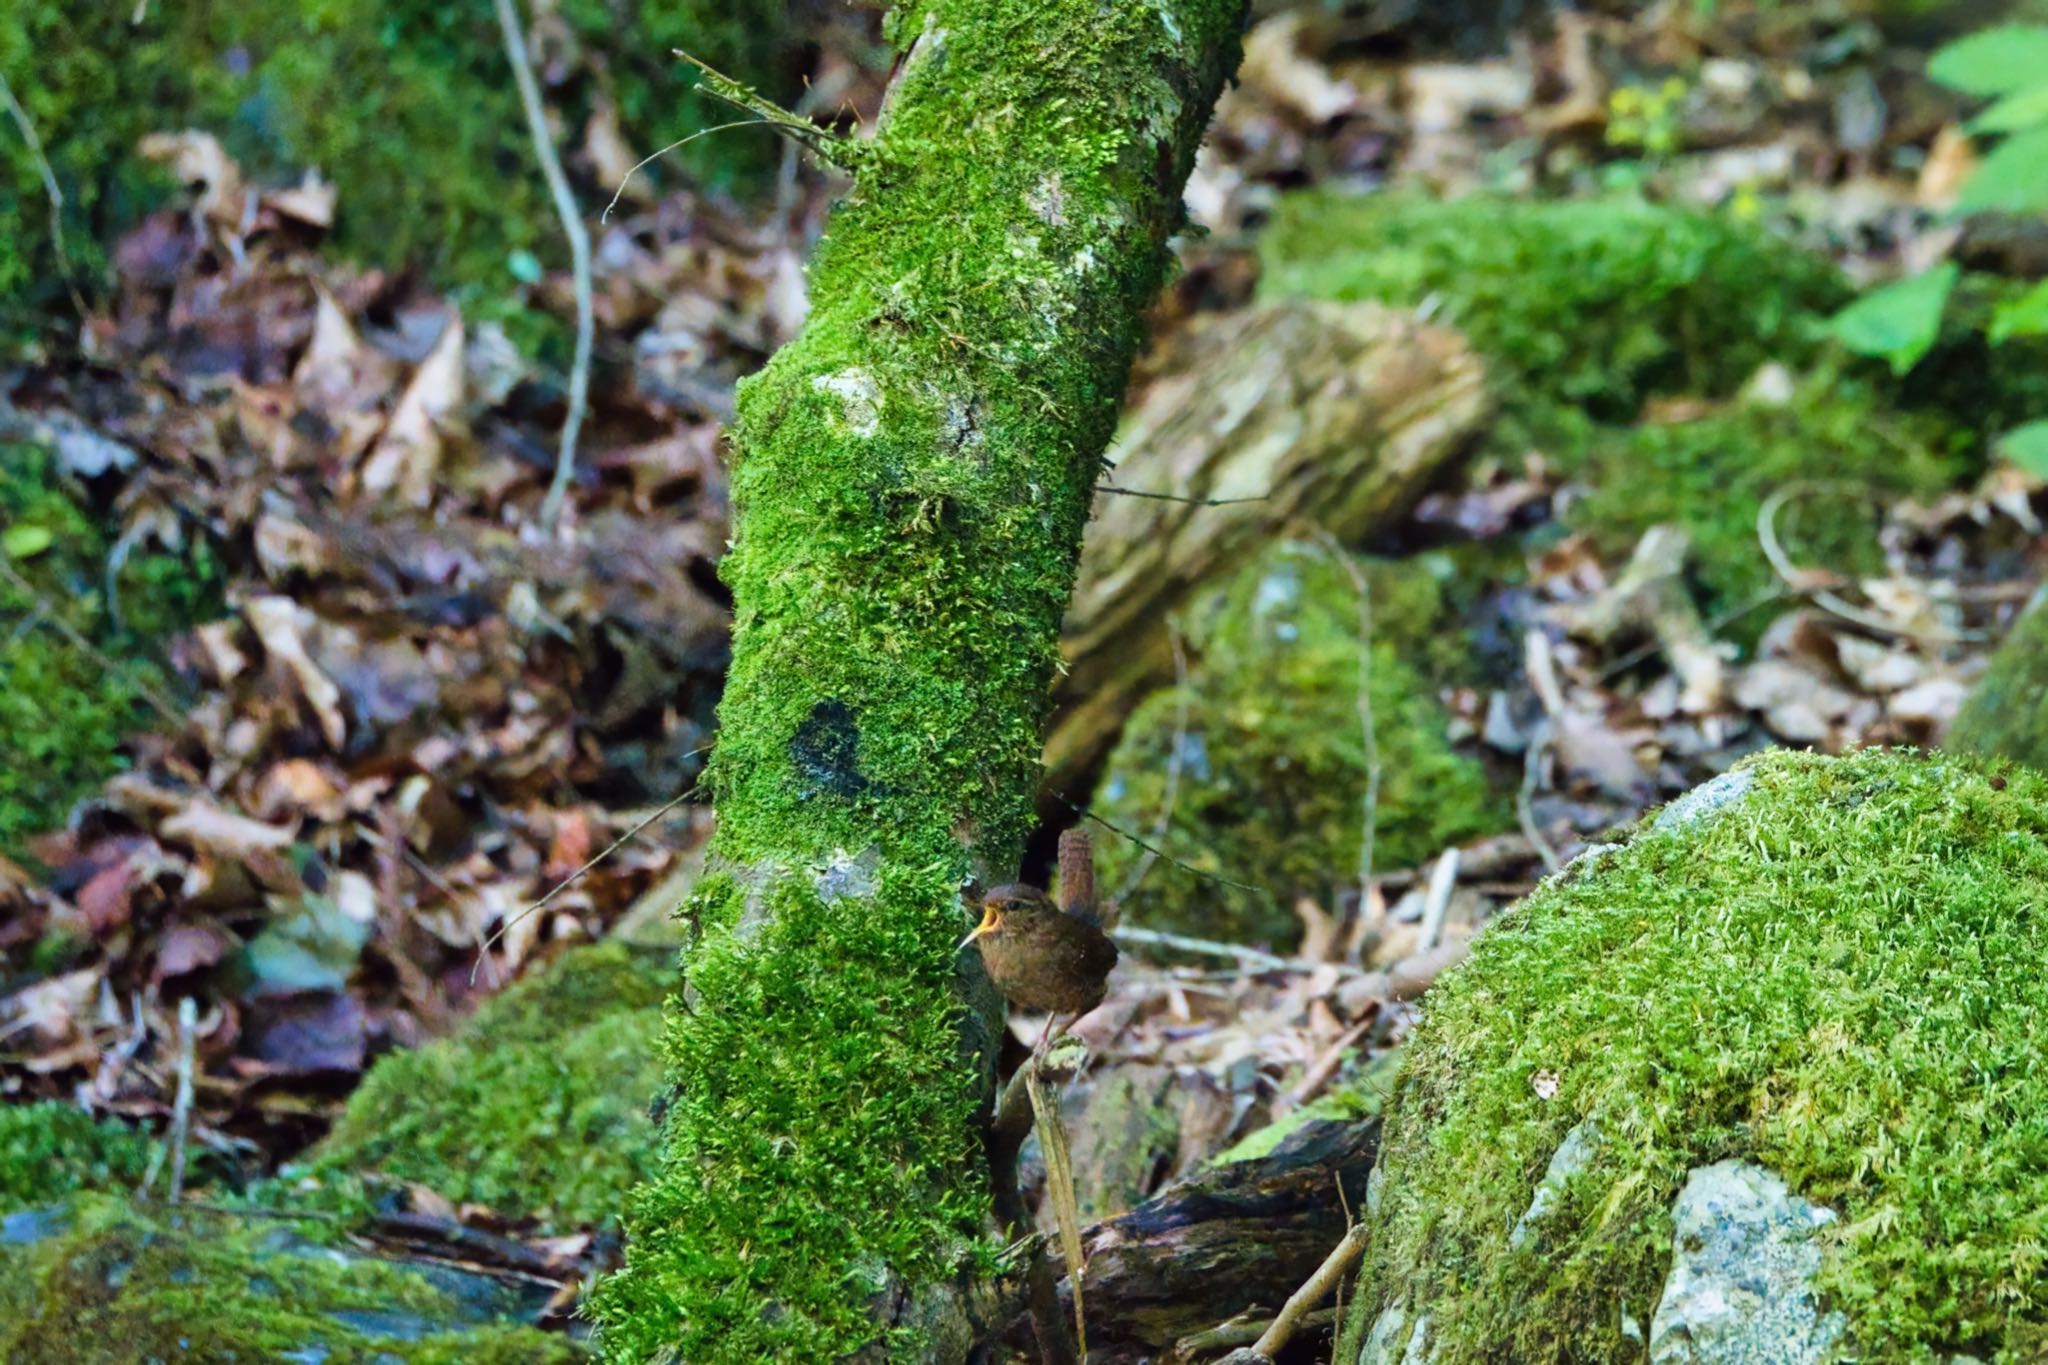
(281, 624)
(197, 158)
(216, 830)
(407, 459)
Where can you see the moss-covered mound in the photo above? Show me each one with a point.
(116, 1286)
(63, 712)
(538, 1107)
(49, 1151)
(1271, 769)
(2007, 713)
(1593, 304)
(407, 105)
(1589, 310)
(1830, 970)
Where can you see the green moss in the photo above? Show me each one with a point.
(1835, 977)
(1588, 310)
(49, 1151)
(1593, 305)
(1272, 768)
(406, 106)
(537, 1108)
(1711, 476)
(1361, 1096)
(2006, 715)
(118, 1286)
(63, 711)
(910, 481)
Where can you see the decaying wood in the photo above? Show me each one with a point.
(1239, 1240)
(1336, 415)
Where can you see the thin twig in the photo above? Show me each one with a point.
(181, 1106)
(579, 258)
(1295, 1312)
(1123, 833)
(51, 189)
(1251, 957)
(1369, 815)
(574, 877)
(1173, 763)
(620, 192)
(1436, 903)
(1781, 564)
(826, 146)
(55, 620)
(1325, 1067)
(1176, 497)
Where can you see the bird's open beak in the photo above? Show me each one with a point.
(990, 918)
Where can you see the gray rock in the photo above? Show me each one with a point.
(1572, 1156)
(1703, 802)
(1740, 1289)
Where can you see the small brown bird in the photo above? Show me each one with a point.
(1043, 956)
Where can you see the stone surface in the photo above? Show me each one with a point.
(1743, 1260)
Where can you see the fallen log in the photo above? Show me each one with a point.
(1237, 1240)
(1287, 414)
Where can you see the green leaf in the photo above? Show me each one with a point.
(25, 541)
(1997, 61)
(2025, 316)
(2017, 112)
(1899, 322)
(2013, 179)
(2027, 447)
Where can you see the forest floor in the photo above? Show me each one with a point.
(402, 746)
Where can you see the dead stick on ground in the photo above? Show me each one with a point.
(181, 1107)
(1318, 1286)
(579, 258)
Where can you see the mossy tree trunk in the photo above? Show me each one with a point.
(2007, 712)
(910, 480)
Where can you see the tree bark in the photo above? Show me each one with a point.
(910, 480)
(2006, 714)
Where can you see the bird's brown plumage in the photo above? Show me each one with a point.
(1040, 957)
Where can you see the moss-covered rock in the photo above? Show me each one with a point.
(2006, 715)
(538, 1107)
(63, 711)
(1271, 770)
(116, 1285)
(1592, 306)
(1834, 443)
(1589, 310)
(49, 1151)
(406, 105)
(1819, 973)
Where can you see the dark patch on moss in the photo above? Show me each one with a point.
(1835, 977)
(537, 1108)
(825, 751)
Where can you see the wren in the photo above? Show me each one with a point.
(1044, 956)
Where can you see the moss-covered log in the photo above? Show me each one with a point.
(2007, 713)
(910, 480)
